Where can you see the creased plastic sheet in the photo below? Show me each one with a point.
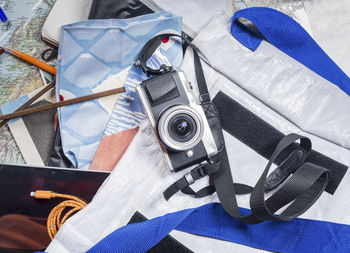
(134, 185)
(304, 98)
(330, 25)
(137, 183)
(196, 13)
(245, 162)
(139, 179)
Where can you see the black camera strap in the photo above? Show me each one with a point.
(303, 184)
(296, 195)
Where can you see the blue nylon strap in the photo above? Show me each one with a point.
(288, 36)
(299, 235)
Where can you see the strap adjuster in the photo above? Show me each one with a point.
(201, 171)
(183, 183)
(204, 98)
(189, 178)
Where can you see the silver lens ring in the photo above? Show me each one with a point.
(164, 132)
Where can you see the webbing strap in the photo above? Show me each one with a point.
(297, 191)
(299, 235)
(197, 173)
(183, 184)
(301, 190)
(284, 170)
(289, 37)
(260, 136)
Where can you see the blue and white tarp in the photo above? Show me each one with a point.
(89, 52)
(277, 88)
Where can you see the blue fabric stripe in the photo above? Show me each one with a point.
(288, 36)
(12, 106)
(299, 235)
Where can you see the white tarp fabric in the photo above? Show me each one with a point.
(270, 84)
(196, 13)
(330, 25)
(280, 82)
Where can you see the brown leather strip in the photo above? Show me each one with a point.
(62, 103)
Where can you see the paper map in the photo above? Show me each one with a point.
(22, 32)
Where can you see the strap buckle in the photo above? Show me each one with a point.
(183, 183)
(204, 98)
(201, 171)
(198, 173)
(189, 178)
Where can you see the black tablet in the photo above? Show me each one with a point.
(22, 217)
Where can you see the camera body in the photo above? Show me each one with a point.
(177, 119)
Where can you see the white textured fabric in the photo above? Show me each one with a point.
(330, 25)
(301, 96)
(258, 81)
(196, 13)
(136, 184)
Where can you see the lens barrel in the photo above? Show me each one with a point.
(180, 128)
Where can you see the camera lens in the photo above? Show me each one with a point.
(182, 127)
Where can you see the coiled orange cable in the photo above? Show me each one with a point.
(54, 221)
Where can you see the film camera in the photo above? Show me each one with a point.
(186, 134)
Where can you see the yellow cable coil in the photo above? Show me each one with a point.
(54, 221)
